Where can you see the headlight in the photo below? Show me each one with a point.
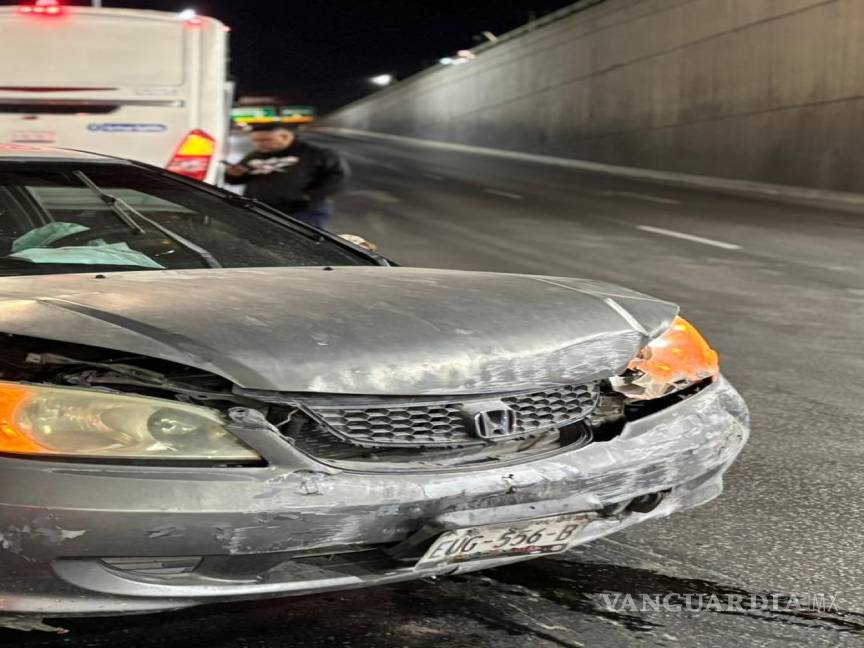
(677, 359)
(58, 421)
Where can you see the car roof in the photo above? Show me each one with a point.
(32, 152)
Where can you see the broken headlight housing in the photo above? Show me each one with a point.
(38, 420)
(674, 361)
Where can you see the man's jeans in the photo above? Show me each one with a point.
(318, 216)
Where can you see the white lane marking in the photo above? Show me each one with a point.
(504, 194)
(432, 176)
(640, 196)
(387, 165)
(688, 237)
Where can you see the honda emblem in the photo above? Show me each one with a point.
(492, 420)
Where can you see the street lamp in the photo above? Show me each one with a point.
(383, 80)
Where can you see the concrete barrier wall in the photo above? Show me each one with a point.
(767, 90)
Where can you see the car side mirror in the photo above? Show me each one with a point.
(359, 241)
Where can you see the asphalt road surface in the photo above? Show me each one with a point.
(777, 287)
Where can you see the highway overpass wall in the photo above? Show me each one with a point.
(765, 90)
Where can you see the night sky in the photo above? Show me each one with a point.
(324, 51)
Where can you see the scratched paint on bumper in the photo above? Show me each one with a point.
(51, 562)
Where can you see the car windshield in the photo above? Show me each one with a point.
(64, 219)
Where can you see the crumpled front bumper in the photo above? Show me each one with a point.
(258, 530)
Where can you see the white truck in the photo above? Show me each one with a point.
(148, 85)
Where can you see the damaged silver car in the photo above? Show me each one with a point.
(202, 400)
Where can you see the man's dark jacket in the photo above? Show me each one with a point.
(295, 179)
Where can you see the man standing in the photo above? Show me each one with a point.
(289, 174)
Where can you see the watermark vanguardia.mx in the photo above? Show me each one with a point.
(679, 602)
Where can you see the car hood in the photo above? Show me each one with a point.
(348, 330)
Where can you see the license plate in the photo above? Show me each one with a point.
(33, 137)
(528, 538)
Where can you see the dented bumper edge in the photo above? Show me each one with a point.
(71, 535)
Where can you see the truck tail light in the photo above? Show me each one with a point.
(194, 155)
(42, 7)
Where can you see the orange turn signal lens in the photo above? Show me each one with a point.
(12, 438)
(677, 359)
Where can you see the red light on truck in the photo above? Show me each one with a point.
(42, 7)
(194, 155)
(191, 18)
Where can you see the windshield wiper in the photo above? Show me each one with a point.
(117, 206)
(130, 216)
(272, 214)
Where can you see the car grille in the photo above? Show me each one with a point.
(404, 423)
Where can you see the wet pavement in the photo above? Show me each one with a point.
(589, 597)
